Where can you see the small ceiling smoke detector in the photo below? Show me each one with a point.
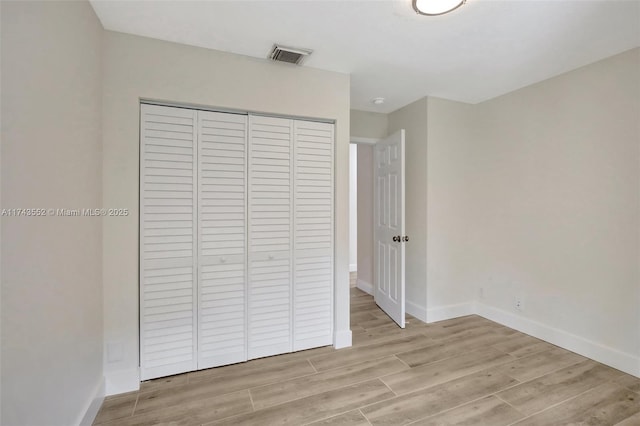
(378, 101)
(291, 55)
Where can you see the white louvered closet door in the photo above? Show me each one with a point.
(236, 238)
(222, 141)
(167, 241)
(270, 233)
(313, 235)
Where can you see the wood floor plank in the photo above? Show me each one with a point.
(427, 402)
(116, 408)
(264, 370)
(364, 307)
(447, 348)
(630, 382)
(315, 407)
(384, 329)
(355, 301)
(352, 418)
(553, 388)
(376, 322)
(194, 412)
(221, 382)
(379, 325)
(607, 404)
(521, 344)
(539, 364)
(486, 411)
(355, 354)
(449, 328)
(358, 318)
(630, 421)
(289, 390)
(177, 380)
(445, 370)
(359, 338)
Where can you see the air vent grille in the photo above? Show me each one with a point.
(291, 55)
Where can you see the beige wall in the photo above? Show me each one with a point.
(413, 118)
(365, 217)
(555, 191)
(136, 67)
(449, 145)
(353, 207)
(51, 266)
(366, 124)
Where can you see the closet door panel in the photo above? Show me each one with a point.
(270, 236)
(167, 241)
(313, 235)
(222, 142)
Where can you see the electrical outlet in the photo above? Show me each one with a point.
(518, 303)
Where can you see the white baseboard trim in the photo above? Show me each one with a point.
(612, 357)
(364, 286)
(122, 381)
(353, 267)
(415, 310)
(342, 339)
(93, 405)
(442, 313)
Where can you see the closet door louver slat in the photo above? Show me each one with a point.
(313, 235)
(222, 141)
(270, 204)
(167, 241)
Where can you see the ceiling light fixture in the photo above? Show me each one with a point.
(378, 101)
(436, 7)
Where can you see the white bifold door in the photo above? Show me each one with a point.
(236, 238)
(222, 239)
(168, 244)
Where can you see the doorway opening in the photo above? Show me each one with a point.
(361, 212)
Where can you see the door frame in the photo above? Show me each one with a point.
(338, 338)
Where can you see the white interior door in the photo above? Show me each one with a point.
(388, 226)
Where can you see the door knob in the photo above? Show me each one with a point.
(405, 238)
(396, 238)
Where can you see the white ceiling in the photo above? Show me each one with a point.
(482, 50)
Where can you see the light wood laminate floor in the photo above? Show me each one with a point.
(465, 371)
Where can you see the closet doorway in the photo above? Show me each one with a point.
(236, 237)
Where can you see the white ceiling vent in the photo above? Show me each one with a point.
(291, 55)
